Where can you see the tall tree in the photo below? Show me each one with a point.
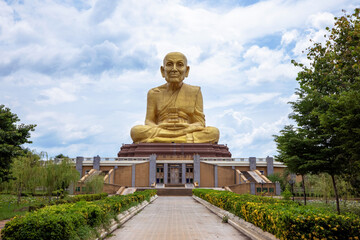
(25, 171)
(57, 176)
(327, 111)
(297, 152)
(12, 136)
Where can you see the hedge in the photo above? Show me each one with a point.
(69, 199)
(284, 219)
(71, 220)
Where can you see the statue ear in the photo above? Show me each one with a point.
(162, 70)
(187, 71)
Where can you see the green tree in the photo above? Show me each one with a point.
(95, 184)
(12, 136)
(281, 178)
(327, 111)
(25, 172)
(61, 156)
(57, 176)
(297, 152)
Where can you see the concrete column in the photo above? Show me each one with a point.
(277, 189)
(79, 165)
(215, 176)
(165, 173)
(252, 188)
(293, 177)
(183, 174)
(197, 169)
(133, 167)
(96, 163)
(270, 165)
(252, 161)
(235, 177)
(114, 172)
(152, 169)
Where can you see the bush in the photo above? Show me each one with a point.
(63, 221)
(68, 199)
(285, 219)
(286, 194)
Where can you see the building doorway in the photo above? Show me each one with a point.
(174, 174)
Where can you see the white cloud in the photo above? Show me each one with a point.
(55, 96)
(291, 98)
(270, 65)
(245, 99)
(321, 20)
(81, 71)
(245, 138)
(289, 37)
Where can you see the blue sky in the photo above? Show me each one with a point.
(80, 70)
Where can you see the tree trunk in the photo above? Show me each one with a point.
(303, 183)
(336, 194)
(19, 194)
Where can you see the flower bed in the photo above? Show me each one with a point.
(284, 219)
(71, 220)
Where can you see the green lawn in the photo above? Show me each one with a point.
(349, 206)
(9, 207)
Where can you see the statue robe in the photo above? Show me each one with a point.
(182, 106)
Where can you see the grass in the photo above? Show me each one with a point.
(345, 206)
(9, 207)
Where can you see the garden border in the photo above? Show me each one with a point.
(125, 216)
(241, 225)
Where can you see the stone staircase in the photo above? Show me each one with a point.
(174, 191)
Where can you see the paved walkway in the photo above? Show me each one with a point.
(175, 218)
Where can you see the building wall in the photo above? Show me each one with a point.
(86, 168)
(206, 175)
(245, 189)
(106, 168)
(242, 168)
(123, 176)
(279, 170)
(264, 169)
(142, 175)
(110, 188)
(226, 176)
(266, 186)
(240, 188)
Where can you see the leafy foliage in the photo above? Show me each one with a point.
(12, 136)
(327, 112)
(284, 219)
(68, 221)
(57, 176)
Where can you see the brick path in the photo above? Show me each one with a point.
(175, 218)
(2, 225)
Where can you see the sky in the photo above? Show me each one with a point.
(80, 70)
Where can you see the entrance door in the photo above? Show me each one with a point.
(174, 175)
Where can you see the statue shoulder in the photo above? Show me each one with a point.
(157, 89)
(191, 88)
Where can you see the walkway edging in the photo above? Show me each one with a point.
(125, 216)
(241, 225)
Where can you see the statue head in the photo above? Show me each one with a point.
(175, 68)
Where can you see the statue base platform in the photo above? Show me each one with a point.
(174, 149)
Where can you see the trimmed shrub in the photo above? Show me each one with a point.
(285, 219)
(68, 199)
(63, 221)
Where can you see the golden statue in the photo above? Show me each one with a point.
(175, 110)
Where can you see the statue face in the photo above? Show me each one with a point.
(175, 68)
